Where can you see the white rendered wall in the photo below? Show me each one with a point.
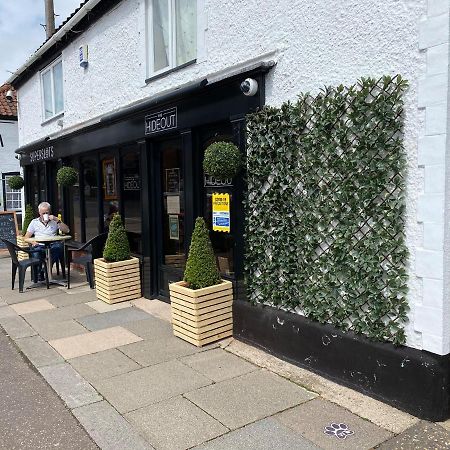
(8, 162)
(314, 43)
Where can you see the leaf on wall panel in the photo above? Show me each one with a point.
(326, 207)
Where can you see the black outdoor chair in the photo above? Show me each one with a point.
(92, 249)
(34, 263)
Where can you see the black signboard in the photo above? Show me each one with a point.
(8, 227)
(161, 121)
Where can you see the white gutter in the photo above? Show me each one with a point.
(91, 4)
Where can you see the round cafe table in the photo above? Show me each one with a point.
(47, 241)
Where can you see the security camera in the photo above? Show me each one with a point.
(19, 157)
(9, 95)
(249, 87)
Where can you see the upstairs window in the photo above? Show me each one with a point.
(52, 90)
(172, 34)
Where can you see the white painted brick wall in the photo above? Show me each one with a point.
(437, 7)
(437, 59)
(369, 38)
(431, 208)
(434, 31)
(432, 150)
(431, 312)
(436, 119)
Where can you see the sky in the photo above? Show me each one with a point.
(20, 31)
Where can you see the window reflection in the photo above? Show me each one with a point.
(90, 196)
(131, 180)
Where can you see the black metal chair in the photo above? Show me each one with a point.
(92, 249)
(22, 265)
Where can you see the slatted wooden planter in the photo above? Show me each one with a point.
(21, 243)
(117, 281)
(202, 316)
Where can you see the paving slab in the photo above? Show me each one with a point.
(150, 385)
(16, 327)
(14, 296)
(102, 307)
(70, 385)
(349, 432)
(38, 351)
(103, 365)
(381, 414)
(266, 434)
(32, 306)
(151, 328)
(150, 352)
(175, 424)
(32, 416)
(113, 318)
(424, 435)
(7, 311)
(218, 365)
(63, 299)
(108, 428)
(156, 308)
(250, 397)
(93, 342)
(57, 330)
(60, 314)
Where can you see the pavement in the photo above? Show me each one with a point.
(121, 380)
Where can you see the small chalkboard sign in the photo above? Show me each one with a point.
(8, 227)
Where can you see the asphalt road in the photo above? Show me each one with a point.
(32, 416)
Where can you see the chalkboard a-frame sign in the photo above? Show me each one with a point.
(8, 227)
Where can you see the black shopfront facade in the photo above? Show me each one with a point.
(145, 162)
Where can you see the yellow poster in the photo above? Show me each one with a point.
(221, 212)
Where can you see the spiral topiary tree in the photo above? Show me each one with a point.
(28, 217)
(201, 268)
(117, 247)
(222, 160)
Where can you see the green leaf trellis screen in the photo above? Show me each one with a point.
(325, 218)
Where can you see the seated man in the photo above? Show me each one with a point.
(46, 225)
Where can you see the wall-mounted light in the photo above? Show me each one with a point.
(9, 95)
(83, 55)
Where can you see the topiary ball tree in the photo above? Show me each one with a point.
(117, 247)
(16, 182)
(66, 176)
(201, 268)
(222, 160)
(28, 217)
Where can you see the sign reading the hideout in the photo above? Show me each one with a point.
(161, 121)
(221, 212)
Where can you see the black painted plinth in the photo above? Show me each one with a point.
(411, 380)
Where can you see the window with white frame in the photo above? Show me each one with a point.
(12, 197)
(172, 34)
(52, 90)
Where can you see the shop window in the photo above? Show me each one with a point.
(90, 196)
(12, 198)
(223, 242)
(75, 206)
(131, 197)
(172, 34)
(110, 189)
(52, 90)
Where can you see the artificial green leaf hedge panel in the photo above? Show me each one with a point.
(325, 222)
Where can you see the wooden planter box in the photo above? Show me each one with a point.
(204, 315)
(21, 243)
(117, 281)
